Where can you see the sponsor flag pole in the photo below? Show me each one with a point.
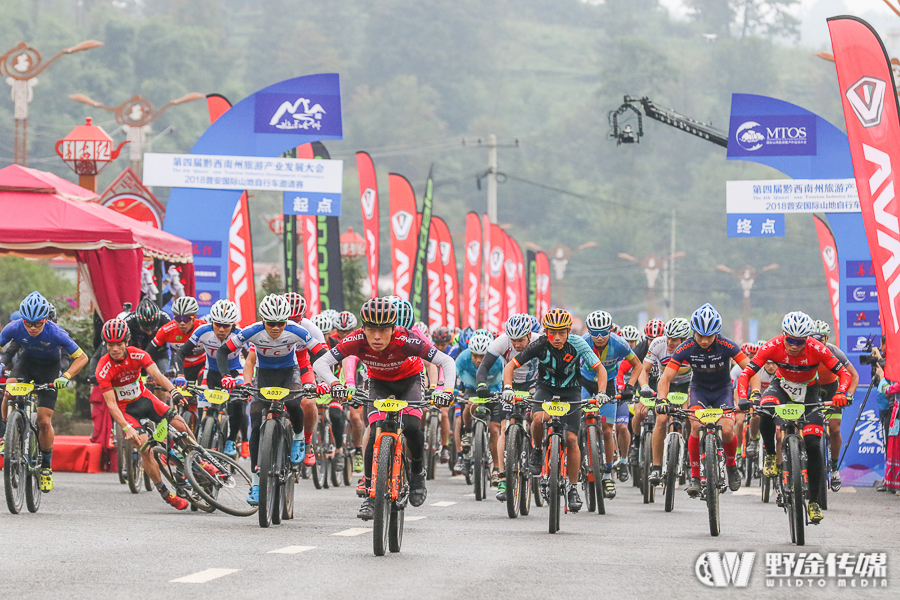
(328, 247)
(434, 270)
(402, 208)
(832, 271)
(368, 198)
(471, 288)
(419, 293)
(448, 261)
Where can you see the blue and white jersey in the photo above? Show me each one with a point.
(43, 347)
(275, 353)
(204, 337)
(615, 351)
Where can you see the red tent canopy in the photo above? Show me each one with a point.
(46, 215)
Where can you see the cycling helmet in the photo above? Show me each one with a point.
(535, 324)
(346, 321)
(274, 307)
(53, 315)
(654, 328)
(378, 312)
(146, 313)
(422, 327)
(518, 326)
(749, 349)
(405, 316)
(441, 335)
(323, 322)
(479, 344)
(631, 333)
(34, 307)
(599, 321)
(464, 336)
(821, 327)
(797, 324)
(483, 331)
(185, 305)
(706, 320)
(298, 304)
(115, 331)
(616, 330)
(678, 328)
(557, 318)
(224, 312)
(333, 314)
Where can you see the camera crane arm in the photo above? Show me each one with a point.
(669, 117)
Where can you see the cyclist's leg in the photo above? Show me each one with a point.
(812, 438)
(724, 398)
(623, 435)
(607, 416)
(774, 396)
(833, 418)
(147, 406)
(499, 413)
(46, 403)
(336, 415)
(445, 426)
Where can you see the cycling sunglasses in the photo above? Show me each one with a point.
(34, 324)
(792, 341)
(184, 318)
(276, 323)
(818, 336)
(600, 332)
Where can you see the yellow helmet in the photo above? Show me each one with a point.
(557, 318)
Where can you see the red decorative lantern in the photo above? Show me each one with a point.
(87, 149)
(352, 244)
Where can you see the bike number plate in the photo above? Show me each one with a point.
(19, 389)
(648, 402)
(274, 393)
(390, 405)
(216, 396)
(161, 431)
(708, 415)
(790, 412)
(796, 391)
(556, 409)
(677, 398)
(477, 400)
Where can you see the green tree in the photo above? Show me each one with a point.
(353, 268)
(20, 277)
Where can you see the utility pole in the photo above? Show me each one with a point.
(671, 264)
(492, 178)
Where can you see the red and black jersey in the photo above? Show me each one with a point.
(795, 369)
(171, 335)
(393, 362)
(124, 376)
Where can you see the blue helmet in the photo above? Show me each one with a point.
(706, 320)
(464, 336)
(535, 324)
(405, 316)
(34, 307)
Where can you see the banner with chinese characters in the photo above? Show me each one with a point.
(791, 196)
(753, 225)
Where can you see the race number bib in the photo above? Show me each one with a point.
(129, 392)
(796, 391)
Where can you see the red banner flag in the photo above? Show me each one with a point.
(241, 288)
(434, 273)
(310, 244)
(495, 298)
(448, 261)
(368, 198)
(513, 290)
(543, 284)
(471, 288)
(832, 272)
(873, 128)
(403, 232)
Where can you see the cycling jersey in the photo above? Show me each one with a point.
(710, 365)
(501, 347)
(312, 329)
(826, 375)
(615, 350)
(124, 376)
(558, 368)
(277, 353)
(392, 363)
(659, 357)
(796, 372)
(204, 337)
(467, 372)
(171, 335)
(45, 346)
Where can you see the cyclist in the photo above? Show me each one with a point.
(275, 340)
(40, 341)
(766, 375)
(303, 373)
(708, 355)
(662, 349)
(143, 324)
(386, 350)
(222, 318)
(325, 324)
(177, 331)
(442, 340)
(119, 378)
(347, 324)
(611, 349)
(828, 383)
(558, 355)
(799, 357)
(653, 329)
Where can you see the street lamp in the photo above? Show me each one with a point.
(135, 115)
(747, 276)
(22, 65)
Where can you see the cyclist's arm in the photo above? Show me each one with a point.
(156, 375)
(636, 370)
(9, 353)
(249, 366)
(324, 363)
(644, 375)
(665, 380)
(230, 345)
(81, 359)
(110, 397)
(448, 367)
(854, 379)
(186, 350)
(349, 370)
(485, 368)
(750, 369)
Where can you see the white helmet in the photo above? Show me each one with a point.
(323, 322)
(678, 328)
(224, 312)
(479, 344)
(631, 333)
(185, 305)
(331, 313)
(346, 321)
(421, 326)
(518, 326)
(599, 320)
(274, 307)
(797, 324)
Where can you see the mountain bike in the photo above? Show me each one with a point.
(214, 425)
(119, 443)
(480, 454)
(645, 450)
(324, 471)
(515, 457)
(674, 450)
(593, 456)
(432, 441)
(825, 481)
(749, 460)
(189, 412)
(357, 400)
(22, 454)
(390, 476)
(553, 476)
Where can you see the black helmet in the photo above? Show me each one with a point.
(146, 312)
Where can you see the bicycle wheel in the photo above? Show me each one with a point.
(287, 497)
(148, 485)
(383, 500)
(646, 454)
(513, 452)
(119, 441)
(673, 454)
(825, 479)
(596, 453)
(395, 527)
(270, 446)
(134, 469)
(452, 447)
(793, 495)
(432, 446)
(710, 460)
(348, 465)
(554, 483)
(190, 418)
(317, 470)
(227, 492)
(15, 467)
(480, 474)
(172, 470)
(524, 475)
(765, 483)
(33, 475)
(333, 474)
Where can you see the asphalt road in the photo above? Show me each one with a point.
(94, 539)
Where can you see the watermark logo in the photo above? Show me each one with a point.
(725, 569)
(866, 98)
(845, 569)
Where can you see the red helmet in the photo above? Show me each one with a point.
(298, 304)
(115, 331)
(749, 349)
(654, 328)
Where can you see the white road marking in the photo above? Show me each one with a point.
(204, 576)
(417, 518)
(747, 492)
(445, 503)
(468, 495)
(847, 490)
(291, 550)
(353, 531)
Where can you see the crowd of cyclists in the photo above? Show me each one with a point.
(147, 360)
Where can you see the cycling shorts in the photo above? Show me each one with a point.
(408, 389)
(611, 412)
(29, 370)
(282, 377)
(145, 406)
(572, 419)
(701, 397)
